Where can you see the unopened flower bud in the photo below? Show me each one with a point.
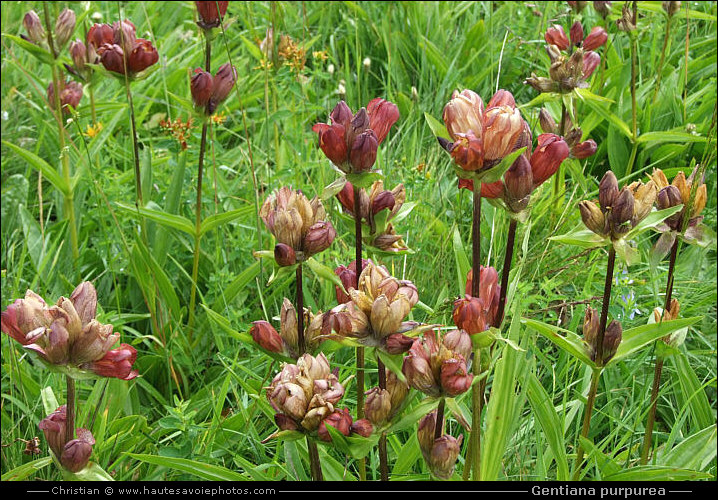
(518, 179)
(285, 423)
(383, 200)
(266, 336)
(469, 315)
(699, 203)
(64, 27)
(33, 26)
(576, 33)
(318, 238)
(78, 52)
(550, 152)
(595, 39)
(398, 343)
(209, 15)
(76, 453)
(284, 255)
(223, 81)
(100, 34)
(112, 58)
(377, 405)
(622, 212)
(363, 152)
(459, 342)
(548, 124)
(341, 420)
(593, 217)
(142, 56)
(584, 149)
(591, 60)
(455, 378)
(591, 325)
(398, 390)
(556, 36)
(611, 340)
(542, 84)
(626, 22)
(608, 190)
(362, 427)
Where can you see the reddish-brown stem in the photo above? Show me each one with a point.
(70, 423)
(508, 258)
(359, 350)
(604, 307)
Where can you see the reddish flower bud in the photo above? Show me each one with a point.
(284, 255)
(469, 315)
(595, 39)
(669, 197)
(143, 56)
(363, 152)
(201, 86)
(332, 143)
(608, 190)
(468, 152)
(318, 238)
(116, 363)
(342, 115)
(576, 33)
(266, 336)
(455, 378)
(53, 426)
(591, 61)
(382, 115)
(550, 152)
(223, 83)
(383, 200)
(346, 198)
(78, 52)
(548, 124)
(209, 16)
(398, 343)
(459, 342)
(33, 26)
(124, 35)
(112, 58)
(70, 95)
(556, 36)
(502, 98)
(622, 208)
(590, 328)
(518, 179)
(377, 405)
(584, 149)
(362, 427)
(99, 35)
(341, 420)
(611, 340)
(593, 217)
(76, 453)
(64, 26)
(603, 8)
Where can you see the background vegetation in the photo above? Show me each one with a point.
(200, 399)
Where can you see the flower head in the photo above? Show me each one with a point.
(74, 454)
(440, 453)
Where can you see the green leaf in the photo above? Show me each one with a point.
(569, 341)
(334, 188)
(604, 463)
(652, 220)
(411, 416)
(609, 117)
(548, 419)
(636, 338)
(49, 401)
(657, 473)
(392, 361)
(214, 221)
(40, 53)
(462, 261)
(581, 237)
(160, 279)
(692, 394)
(41, 165)
(237, 285)
(26, 470)
(364, 179)
(670, 136)
(169, 220)
(199, 469)
(323, 272)
(586, 94)
(437, 128)
(694, 452)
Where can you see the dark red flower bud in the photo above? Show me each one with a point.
(64, 27)
(398, 343)
(469, 315)
(518, 179)
(78, 52)
(76, 453)
(455, 378)
(124, 35)
(550, 152)
(112, 58)
(576, 33)
(332, 143)
(348, 279)
(116, 363)
(70, 95)
(668, 197)
(99, 35)
(33, 26)
(611, 340)
(382, 115)
(362, 427)
(341, 114)
(556, 36)
(346, 198)
(201, 86)
(502, 98)
(209, 16)
(285, 423)
(383, 200)
(596, 38)
(319, 237)
(341, 420)
(143, 56)
(584, 149)
(266, 336)
(591, 61)
(622, 211)
(607, 190)
(223, 83)
(284, 255)
(363, 151)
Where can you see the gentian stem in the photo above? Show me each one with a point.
(359, 350)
